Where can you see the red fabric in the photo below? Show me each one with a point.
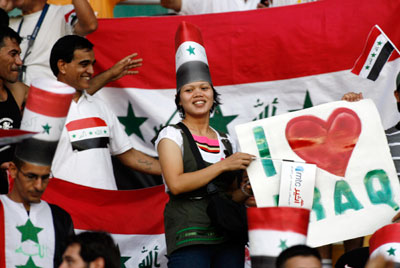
(243, 47)
(117, 212)
(387, 234)
(86, 123)
(279, 219)
(48, 103)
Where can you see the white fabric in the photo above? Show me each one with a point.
(92, 167)
(175, 135)
(192, 7)
(277, 3)
(56, 24)
(18, 251)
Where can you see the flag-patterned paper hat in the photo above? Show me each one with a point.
(272, 230)
(45, 112)
(386, 242)
(190, 56)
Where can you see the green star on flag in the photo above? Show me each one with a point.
(191, 50)
(391, 251)
(373, 54)
(122, 261)
(367, 67)
(283, 245)
(219, 121)
(306, 104)
(29, 231)
(379, 43)
(132, 123)
(29, 264)
(46, 128)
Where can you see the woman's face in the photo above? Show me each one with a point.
(197, 98)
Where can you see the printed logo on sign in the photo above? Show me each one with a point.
(298, 182)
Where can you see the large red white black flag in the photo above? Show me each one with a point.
(263, 62)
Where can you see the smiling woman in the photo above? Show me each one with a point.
(193, 240)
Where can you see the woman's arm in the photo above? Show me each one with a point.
(178, 182)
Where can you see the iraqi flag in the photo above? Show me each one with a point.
(274, 229)
(134, 218)
(376, 53)
(386, 242)
(263, 62)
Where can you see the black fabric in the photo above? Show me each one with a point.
(10, 117)
(35, 151)
(356, 258)
(3, 181)
(63, 228)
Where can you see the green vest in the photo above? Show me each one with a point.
(185, 215)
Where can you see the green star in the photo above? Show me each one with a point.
(391, 251)
(132, 123)
(283, 245)
(191, 50)
(373, 54)
(219, 121)
(29, 231)
(306, 104)
(367, 67)
(122, 261)
(46, 128)
(379, 43)
(29, 264)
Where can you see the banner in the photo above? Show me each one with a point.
(356, 187)
(264, 62)
(134, 218)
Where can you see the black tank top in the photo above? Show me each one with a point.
(10, 117)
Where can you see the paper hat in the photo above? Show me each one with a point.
(272, 230)
(386, 242)
(45, 112)
(356, 258)
(190, 56)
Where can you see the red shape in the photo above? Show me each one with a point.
(328, 144)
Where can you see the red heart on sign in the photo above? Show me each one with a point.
(328, 144)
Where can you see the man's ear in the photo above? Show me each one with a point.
(61, 64)
(12, 168)
(97, 263)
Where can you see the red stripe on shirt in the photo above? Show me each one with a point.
(86, 123)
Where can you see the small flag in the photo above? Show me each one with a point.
(274, 229)
(45, 112)
(376, 53)
(386, 242)
(190, 56)
(9, 136)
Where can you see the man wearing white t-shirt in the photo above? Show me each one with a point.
(92, 132)
(42, 25)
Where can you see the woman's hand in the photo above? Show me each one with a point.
(237, 161)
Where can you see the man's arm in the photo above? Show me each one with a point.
(172, 4)
(120, 69)
(140, 162)
(87, 21)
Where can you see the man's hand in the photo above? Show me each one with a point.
(7, 5)
(352, 96)
(379, 262)
(120, 69)
(124, 66)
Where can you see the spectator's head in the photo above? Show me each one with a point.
(29, 5)
(72, 60)
(397, 91)
(181, 96)
(10, 51)
(4, 19)
(300, 256)
(89, 249)
(30, 181)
